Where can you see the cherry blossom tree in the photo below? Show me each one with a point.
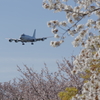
(83, 9)
(47, 85)
(41, 86)
(87, 36)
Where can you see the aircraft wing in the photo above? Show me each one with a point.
(41, 39)
(16, 40)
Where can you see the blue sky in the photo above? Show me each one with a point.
(23, 16)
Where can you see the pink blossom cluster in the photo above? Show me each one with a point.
(88, 36)
(74, 14)
(40, 86)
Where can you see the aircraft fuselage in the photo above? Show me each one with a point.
(27, 38)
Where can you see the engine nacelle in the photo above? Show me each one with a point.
(16, 41)
(34, 40)
(42, 39)
(10, 40)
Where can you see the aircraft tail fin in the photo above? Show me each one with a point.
(34, 33)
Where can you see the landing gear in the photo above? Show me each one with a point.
(23, 43)
(32, 43)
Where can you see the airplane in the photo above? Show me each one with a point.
(26, 38)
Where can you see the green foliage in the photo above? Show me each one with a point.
(93, 67)
(86, 75)
(68, 93)
(72, 91)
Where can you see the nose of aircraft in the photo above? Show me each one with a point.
(20, 37)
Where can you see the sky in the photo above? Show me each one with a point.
(23, 16)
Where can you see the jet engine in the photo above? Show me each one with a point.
(10, 40)
(16, 41)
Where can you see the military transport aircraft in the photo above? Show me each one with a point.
(26, 38)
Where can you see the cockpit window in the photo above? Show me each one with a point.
(23, 35)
